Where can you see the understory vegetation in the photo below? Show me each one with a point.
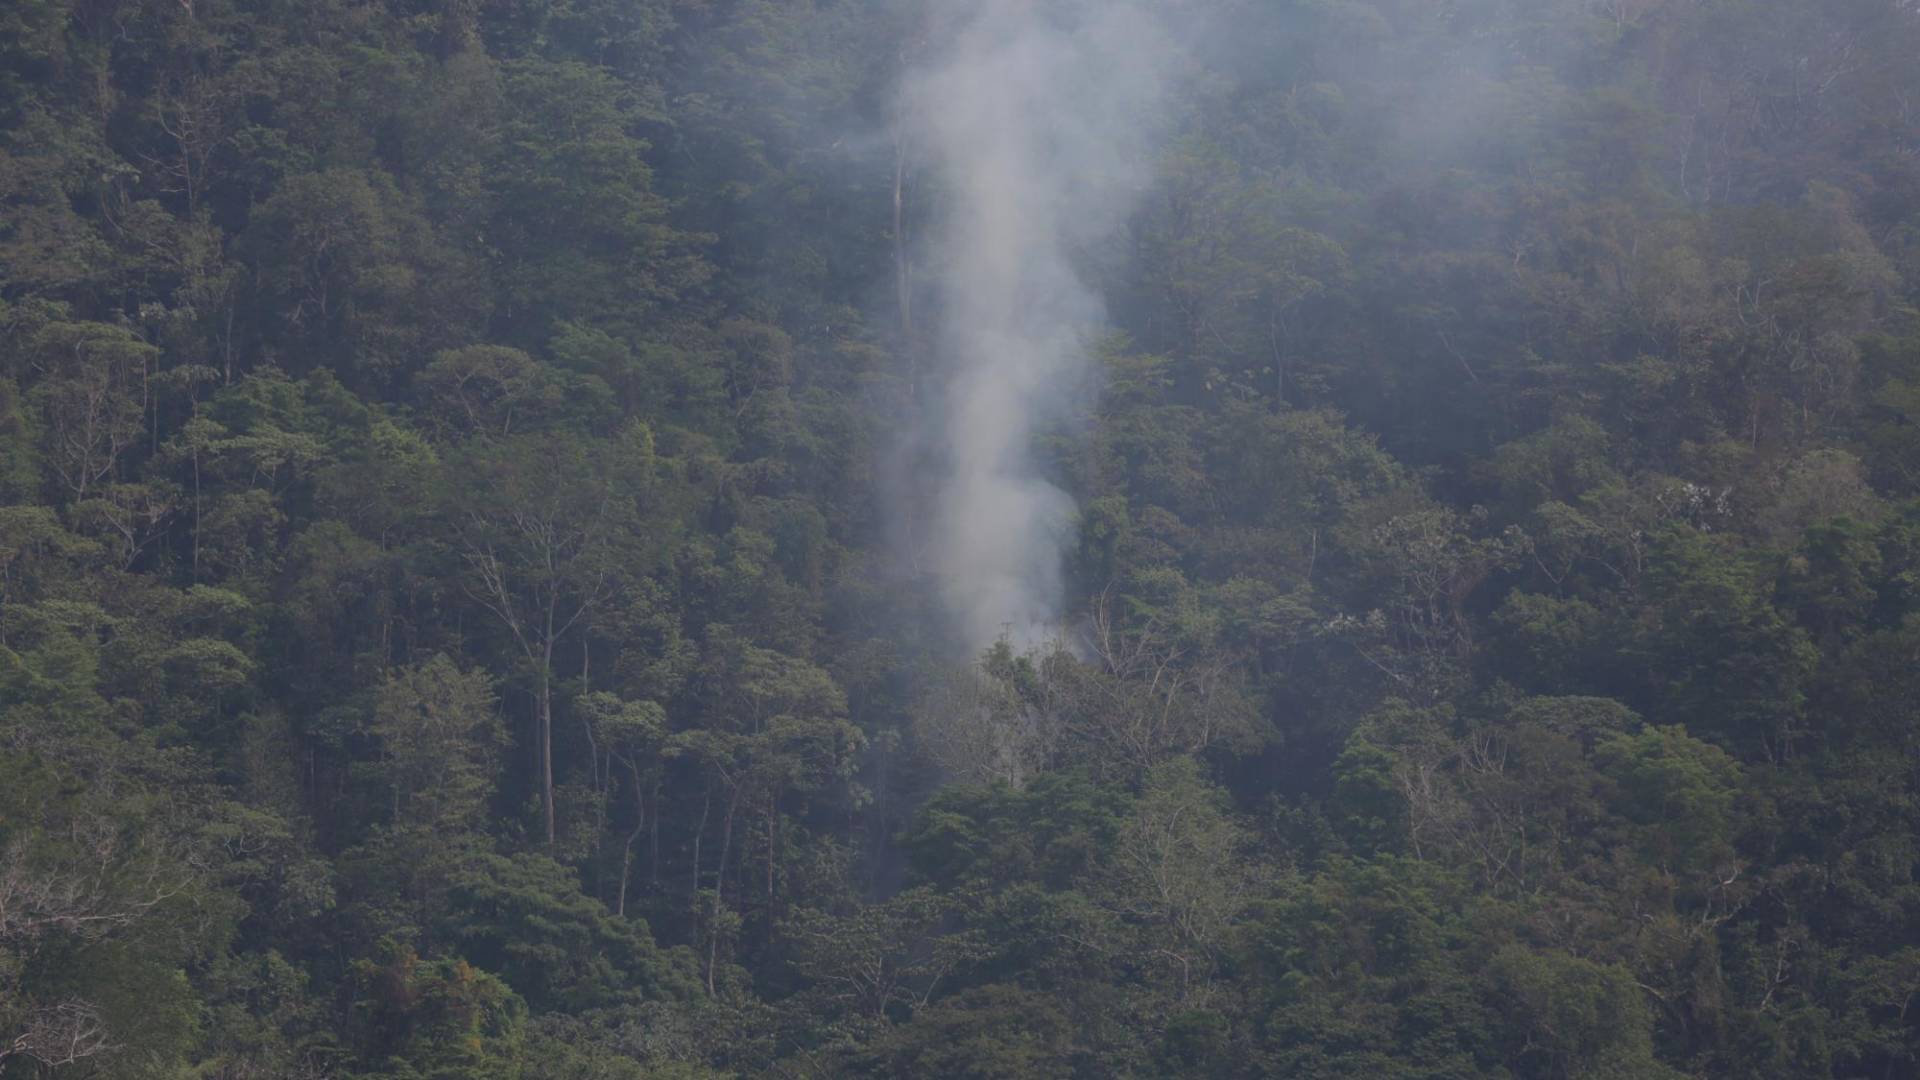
(462, 613)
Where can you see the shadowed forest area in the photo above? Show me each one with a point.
(465, 614)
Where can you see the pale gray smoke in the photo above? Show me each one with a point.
(1035, 119)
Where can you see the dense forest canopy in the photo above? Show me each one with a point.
(472, 600)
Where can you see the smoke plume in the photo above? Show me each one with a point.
(1035, 119)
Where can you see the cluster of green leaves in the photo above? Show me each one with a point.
(458, 597)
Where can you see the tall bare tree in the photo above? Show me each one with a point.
(539, 522)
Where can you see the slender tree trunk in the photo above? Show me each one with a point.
(700, 834)
(602, 786)
(639, 824)
(903, 297)
(196, 514)
(653, 840)
(719, 886)
(544, 736)
(726, 847)
(547, 643)
(1279, 359)
(226, 350)
(773, 839)
(902, 265)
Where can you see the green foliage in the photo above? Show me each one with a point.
(1578, 1018)
(436, 1020)
(1679, 790)
(524, 918)
(463, 497)
(438, 737)
(989, 1033)
(1050, 833)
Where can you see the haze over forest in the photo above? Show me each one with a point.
(629, 539)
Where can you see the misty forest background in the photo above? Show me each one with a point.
(461, 613)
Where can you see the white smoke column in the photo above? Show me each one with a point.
(1035, 118)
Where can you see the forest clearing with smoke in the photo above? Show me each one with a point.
(623, 539)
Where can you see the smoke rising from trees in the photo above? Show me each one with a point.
(1035, 121)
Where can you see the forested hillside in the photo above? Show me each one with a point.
(465, 606)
